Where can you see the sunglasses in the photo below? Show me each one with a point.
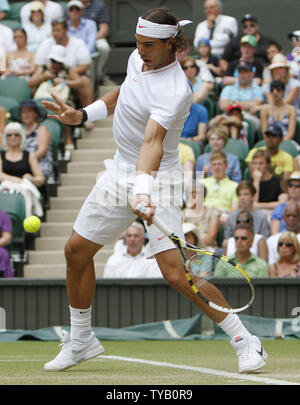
(188, 66)
(250, 25)
(241, 237)
(277, 89)
(243, 221)
(296, 185)
(286, 244)
(75, 9)
(12, 134)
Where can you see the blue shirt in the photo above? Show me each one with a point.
(87, 31)
(4, 5)
(233, 170)
(97, 11)
(277, 213)
(235, 92)
(198, 114)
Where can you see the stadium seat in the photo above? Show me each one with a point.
(13, 24)
(8, 102)
(209, 105)
(251, 133)
(56, 132)
(285, 145)
(14, 12)
(234, 146)
(247, 175)
(16, 88)
(194, 145)
(297, 133)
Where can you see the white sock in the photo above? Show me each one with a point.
(81, 327)
(233, 326)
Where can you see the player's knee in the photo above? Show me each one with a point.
(174, 276)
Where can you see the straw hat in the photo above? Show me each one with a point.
(279, 61)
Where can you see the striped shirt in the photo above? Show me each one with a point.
(96, 11)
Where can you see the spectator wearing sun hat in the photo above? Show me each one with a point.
(52, 11)
(248, 46)
(37, 29)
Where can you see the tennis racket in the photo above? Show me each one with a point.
(203, 268)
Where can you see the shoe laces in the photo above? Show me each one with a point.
(64, 339)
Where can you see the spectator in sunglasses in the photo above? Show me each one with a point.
(291, 187)
(259, 246)
(278, 111)
(253, 265)
(232, 51)
(288, 261)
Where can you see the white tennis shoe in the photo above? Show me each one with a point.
(72, 354)
(251, 354)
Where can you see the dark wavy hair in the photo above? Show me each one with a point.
(162, 15)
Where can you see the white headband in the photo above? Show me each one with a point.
(161, 31)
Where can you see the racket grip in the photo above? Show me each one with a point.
(157, 222)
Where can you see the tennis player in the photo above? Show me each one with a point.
(150, 109)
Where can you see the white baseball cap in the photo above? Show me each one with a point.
(58, 53)
(75, 3)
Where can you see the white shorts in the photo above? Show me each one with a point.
(107, 212)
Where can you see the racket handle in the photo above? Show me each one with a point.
(156, 221)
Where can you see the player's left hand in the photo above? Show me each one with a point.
(145, 200)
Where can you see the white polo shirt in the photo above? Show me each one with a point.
(77, 52)
(163, 95)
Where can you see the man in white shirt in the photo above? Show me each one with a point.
(218, 28)
(6, 38)
(77, 57)
(150, 109)
(132, 262)
(52, 11)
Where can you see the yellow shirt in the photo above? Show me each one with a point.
(281, 160)
(185, 153)
(220, 194)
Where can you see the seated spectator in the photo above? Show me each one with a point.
(201, 268)
(279, 111)
(195, 125)
(38, 137)
(57, 78)
(281, 161)
(269, 193)
(232, 51)
(294, 38)
(246, 195)
(186, 157)
(219, 28)
(259, 246)
(4, 8)
(6, 229)
(233, 120)
(253, 265)
(77, 57)
(200, 88)
(52, 11)
(6, 38)
(97, 11)
(80, 27)
(205, 56)
(217, 138)
(280, 70)
(37, 29)
(272, 49)
(20, 62)
(133, 262)
(291, 187)
(248, 51)
(206, 219)
(19, 169)
(221, 191)
(244, 92)
(288, 262)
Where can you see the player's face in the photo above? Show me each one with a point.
(154, 52)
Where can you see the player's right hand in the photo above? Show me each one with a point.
(64, 113)
(148, 210)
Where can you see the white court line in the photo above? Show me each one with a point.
(226, 374)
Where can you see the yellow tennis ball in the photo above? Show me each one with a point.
(32, 224)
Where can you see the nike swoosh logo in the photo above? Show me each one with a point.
(161, 237)
(142, 26)
(261, 351)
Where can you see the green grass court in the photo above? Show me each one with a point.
(144, 363)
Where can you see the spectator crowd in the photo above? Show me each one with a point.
(239, 148)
